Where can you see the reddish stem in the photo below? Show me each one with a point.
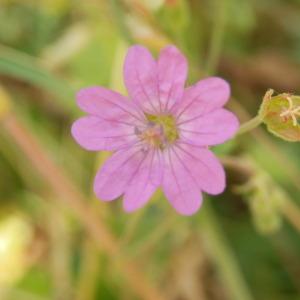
(73, 198)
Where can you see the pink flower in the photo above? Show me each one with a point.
(160, 136)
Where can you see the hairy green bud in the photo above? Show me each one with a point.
(281, 114)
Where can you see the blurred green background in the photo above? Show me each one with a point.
(57, 241)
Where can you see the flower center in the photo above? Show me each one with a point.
(161, 131)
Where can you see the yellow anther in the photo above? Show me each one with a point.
(152, 136)
(168, 125)
(161, 131)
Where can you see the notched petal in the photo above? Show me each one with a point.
(113, 178)
(95, 134)
(210, 129)
(204, 166)
(140, 76)
(108, 105)
(144, 183)
(205, 96)
(180, 186)
(172, 73)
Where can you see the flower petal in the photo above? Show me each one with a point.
(108, 105)
(203, 97)
(144, 183)
(172, 73)
(113, 178)
(179, 185)
(204, 167)
(95, 134)
(211, 129)
(140, 76)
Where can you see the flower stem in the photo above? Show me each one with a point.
(89, 272)
(249, 125)
(217, 36)
(145, 246)
(118, 15)
(221, 254)
(60, 253)
(292, 213)
(68, 193)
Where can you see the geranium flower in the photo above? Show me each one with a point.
(159, 135)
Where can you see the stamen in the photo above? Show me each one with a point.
(161, 131)
(291, 111)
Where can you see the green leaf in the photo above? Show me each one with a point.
(26, 68)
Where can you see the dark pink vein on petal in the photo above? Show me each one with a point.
(173, 172)
(199, 160)
(123, 109)
(169, 93)
(191, 102)
(186, 107)
(182, 163)
(149, 172)
(143, 90)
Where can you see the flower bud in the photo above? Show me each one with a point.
(266, 210)
(281, 114)
(264, 197)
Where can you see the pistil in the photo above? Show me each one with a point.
(161, 131)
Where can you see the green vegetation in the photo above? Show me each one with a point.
(58, 242)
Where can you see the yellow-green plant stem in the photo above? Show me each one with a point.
(89, 272)
(118, 13)
(132, 227)
(283, 161)
(145, 246)
(18, 65)
(217, 35)
(249, 125)
(221, 254)
(69, 194)
(60, 253)
(292, 213)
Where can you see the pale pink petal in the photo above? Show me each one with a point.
(172, 73)
(179, 185)
(201, 98)
(140, 76)
(93, 133)
(108, 105)
(113, 178)
(213, 128)
(204, 167)
(144, 182)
